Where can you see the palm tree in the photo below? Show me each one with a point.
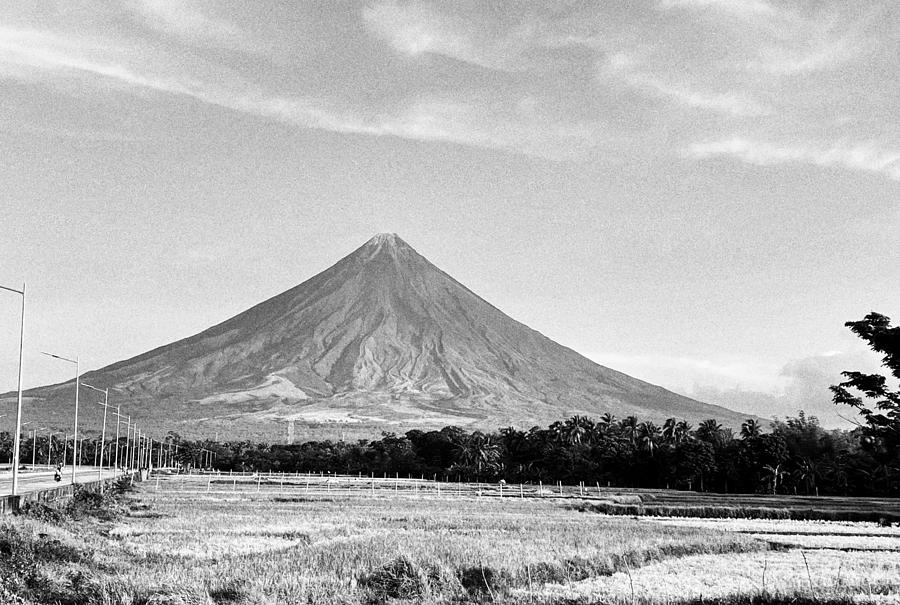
(628, 426)
(773, 474)
(478, 451)
(682, 431)
(669, 430)
(750, 429)
(648, 436)
(710, 431)
(576, 429)
(806, 472)
(606, 422)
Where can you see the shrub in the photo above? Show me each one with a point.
(484, 581)
(88, 503)
(41, 512)
(405, 579)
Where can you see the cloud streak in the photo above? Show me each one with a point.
(731, 103)
(867, 157)
(468, 75)
(189, 23)
(423, 119)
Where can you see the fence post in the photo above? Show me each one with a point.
(208, 483)
(521, 491)
(599, 493)
(258, 482)
(157, 482)
(541, 484)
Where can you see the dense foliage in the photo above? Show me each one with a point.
(882, 415)
(795, 456)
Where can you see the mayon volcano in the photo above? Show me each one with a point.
(382, 340)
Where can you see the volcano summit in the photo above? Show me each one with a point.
(381, 340)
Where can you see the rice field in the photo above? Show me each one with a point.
(184, 541)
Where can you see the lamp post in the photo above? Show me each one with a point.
(136, 449)
(75, 434)
(17, 438)
(34, 445)
(50, 450)
(105, 405)
(127, 433)
(116, 464)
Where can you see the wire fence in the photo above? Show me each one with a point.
(313, 484)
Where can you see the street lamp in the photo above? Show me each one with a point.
(105, 405)
(34, 445)
(75, 434)
(118, 419)
(17, 439)
(127, 423)
(50, 449)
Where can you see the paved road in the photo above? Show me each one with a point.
(30, 481)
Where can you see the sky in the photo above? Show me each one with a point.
(696, 192)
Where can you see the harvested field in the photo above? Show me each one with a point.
(266, 544)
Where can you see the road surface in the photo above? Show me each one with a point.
(36, 480)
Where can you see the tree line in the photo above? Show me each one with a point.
(795, 456)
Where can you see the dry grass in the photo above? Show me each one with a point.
(321, 549)
(178, 547)
(832, 574)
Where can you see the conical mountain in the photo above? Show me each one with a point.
(381, 339)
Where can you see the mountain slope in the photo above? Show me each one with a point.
(382, 337)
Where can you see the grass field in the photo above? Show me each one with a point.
(189, 542)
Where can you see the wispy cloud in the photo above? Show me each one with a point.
(867, 157)
(417, 29)
(743, 7)
(732, 103)
(423, 119)
(680, 373)
(406, 70)
(190, 24)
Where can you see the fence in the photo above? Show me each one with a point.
(312, 484)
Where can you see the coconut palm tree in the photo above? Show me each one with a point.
(751, 428)
(648, 435)
(682, 431)
(628, 428)
(710, 431)
(669, 430)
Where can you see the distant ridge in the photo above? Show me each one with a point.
(382, 340)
